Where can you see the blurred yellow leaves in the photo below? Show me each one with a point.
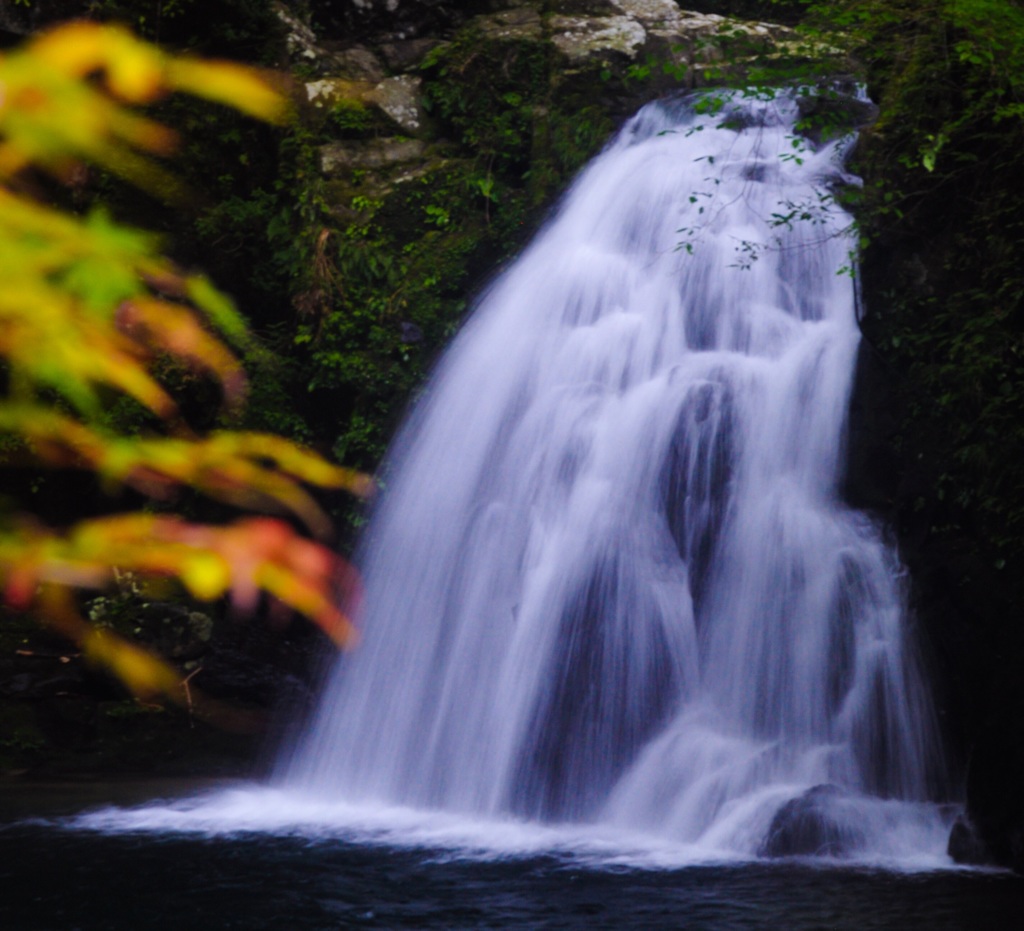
(87, 309)
(244, 469)
(64, 96)
(241, 559)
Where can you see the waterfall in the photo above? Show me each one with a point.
(612, 578)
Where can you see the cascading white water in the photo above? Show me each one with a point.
(612, 578)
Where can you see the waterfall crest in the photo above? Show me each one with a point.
(612, 578)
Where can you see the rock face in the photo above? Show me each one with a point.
(579, 37)
(397, 100)
(378, 61)
(608, 33)
(338, 157)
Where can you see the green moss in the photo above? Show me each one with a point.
(349, 118)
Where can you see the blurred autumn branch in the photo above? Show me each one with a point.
(88, 310)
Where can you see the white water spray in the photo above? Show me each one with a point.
(612, 579)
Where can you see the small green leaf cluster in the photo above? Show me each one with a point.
(489, 94)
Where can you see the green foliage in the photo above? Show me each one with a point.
(488, 92)
(943, 208)
(349, 118)
(400, 264)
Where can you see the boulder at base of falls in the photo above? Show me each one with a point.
(966, 846)
(810, 825)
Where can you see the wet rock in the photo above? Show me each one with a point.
(966, 846)
(809, 825)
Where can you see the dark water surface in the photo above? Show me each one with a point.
(56, 877)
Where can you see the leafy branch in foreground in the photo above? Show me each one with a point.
(91, 311)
